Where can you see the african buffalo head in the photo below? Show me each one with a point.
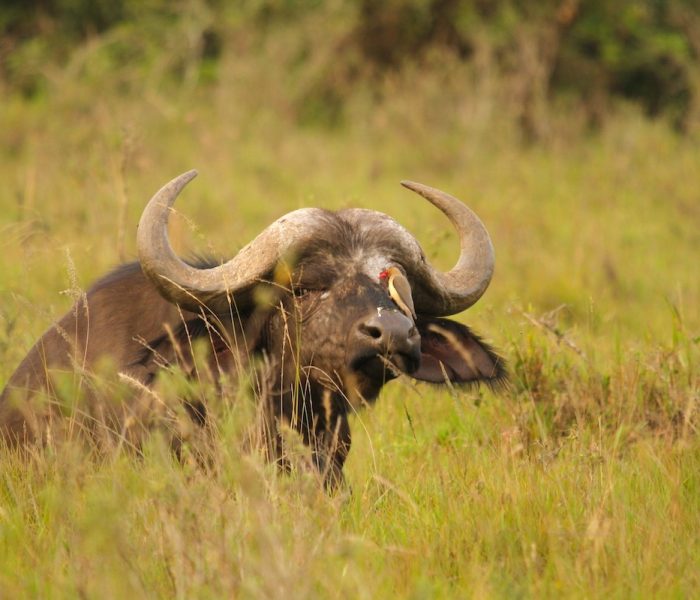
(337, 304)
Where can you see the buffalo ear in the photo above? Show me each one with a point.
(451, 352)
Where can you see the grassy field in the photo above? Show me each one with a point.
(580, 480)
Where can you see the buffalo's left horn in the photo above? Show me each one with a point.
(232, 282)
(460, 287)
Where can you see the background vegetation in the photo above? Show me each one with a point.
(570, 127)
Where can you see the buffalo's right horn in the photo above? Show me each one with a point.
(191, 287)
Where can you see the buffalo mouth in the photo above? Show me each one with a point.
(379, 368)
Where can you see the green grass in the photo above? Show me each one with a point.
(581, 480)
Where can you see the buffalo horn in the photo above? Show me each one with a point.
(437, 293)
(434, 293)
(215, 288)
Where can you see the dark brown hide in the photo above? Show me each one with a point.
(118, 319)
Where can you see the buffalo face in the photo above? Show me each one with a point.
(346, 334)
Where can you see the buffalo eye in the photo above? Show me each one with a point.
(302, 291)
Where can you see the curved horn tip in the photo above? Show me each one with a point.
(418, 188)
(175, 186)
(187, 176)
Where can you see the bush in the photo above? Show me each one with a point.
(589, 51)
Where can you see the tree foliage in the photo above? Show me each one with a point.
(594, 51)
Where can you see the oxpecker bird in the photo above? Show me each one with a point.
(399, 290)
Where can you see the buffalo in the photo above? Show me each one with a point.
(318, 312)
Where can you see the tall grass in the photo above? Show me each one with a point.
(581, 479)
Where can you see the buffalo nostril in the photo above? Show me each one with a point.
(371, 331)
(413, 332)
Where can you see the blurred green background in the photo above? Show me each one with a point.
(571, 127)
